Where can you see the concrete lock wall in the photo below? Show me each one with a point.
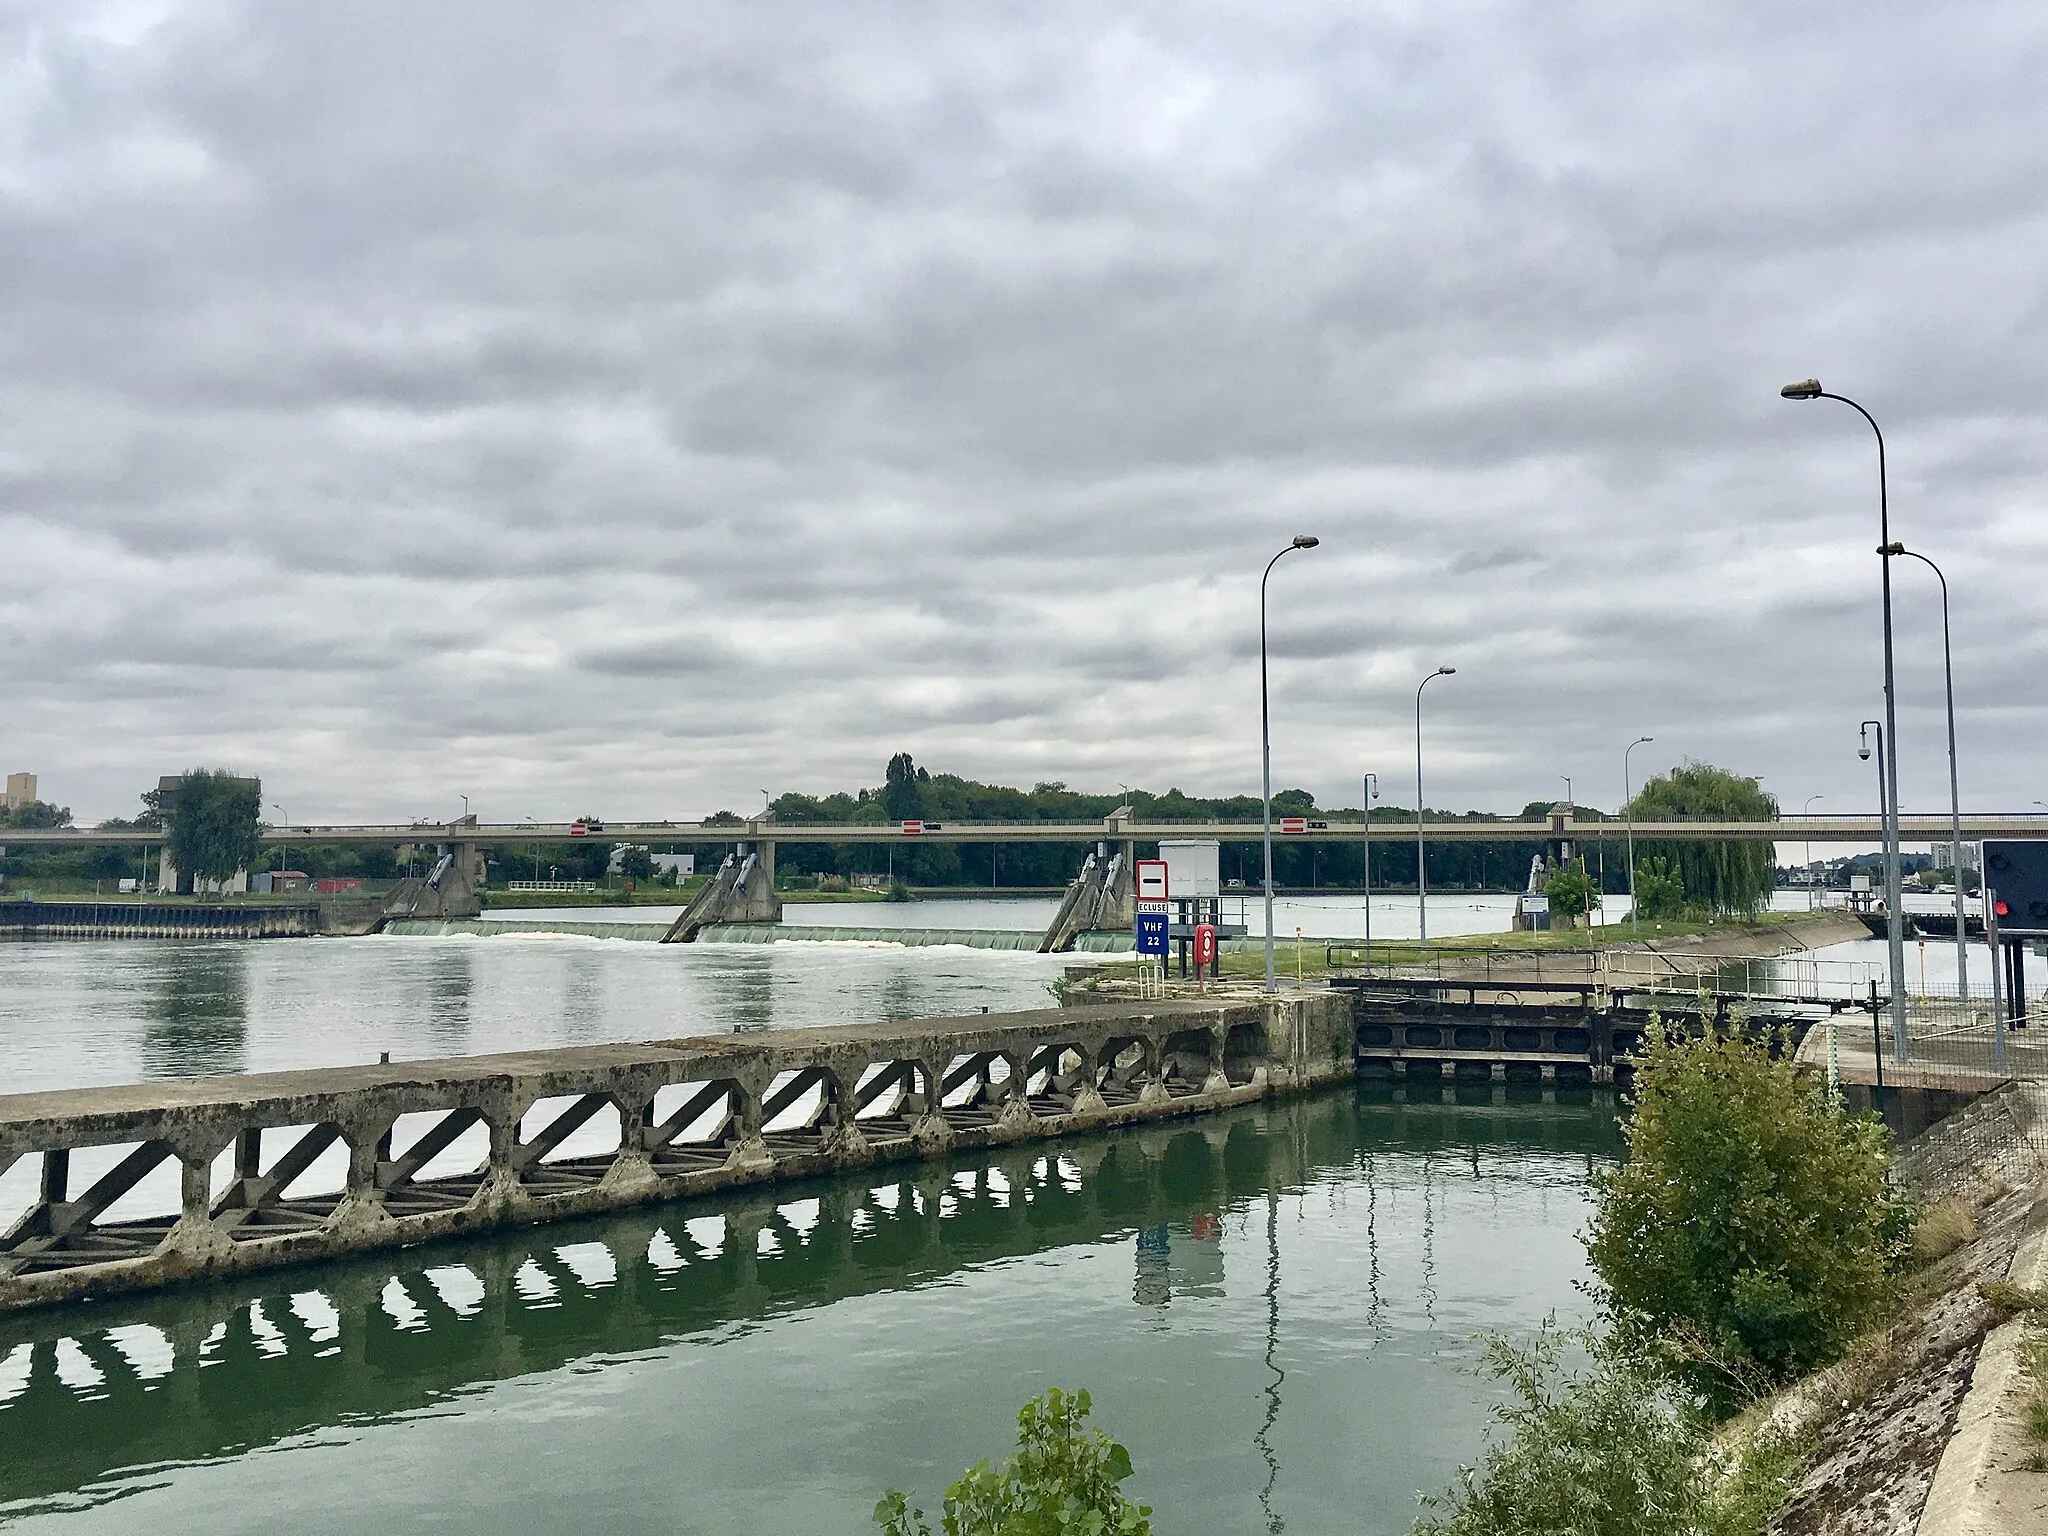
(555, 1134)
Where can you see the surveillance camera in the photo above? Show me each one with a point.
(1864, 753)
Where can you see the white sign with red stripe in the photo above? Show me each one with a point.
(912, 828)
(1293, 823)
(1151, 879)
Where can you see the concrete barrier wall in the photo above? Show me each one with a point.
(564, 1133)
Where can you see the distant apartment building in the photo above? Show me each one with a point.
(21, 790)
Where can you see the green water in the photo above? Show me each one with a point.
(1275, 1308)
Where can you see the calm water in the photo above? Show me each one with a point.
(1276, 1308)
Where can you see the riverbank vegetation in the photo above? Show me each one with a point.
(1749, 1238)
(1726, 878)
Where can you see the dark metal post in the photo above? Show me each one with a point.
(1301, 541)
(1809, 389)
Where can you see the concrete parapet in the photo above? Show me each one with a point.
(565, 1133)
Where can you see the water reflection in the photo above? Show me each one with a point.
(450, 984)
(107, 1403)
(743, 992)
(195, 1010)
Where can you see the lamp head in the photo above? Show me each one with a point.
(1805, 389)
(1894, 548)
(1445, 671)
(1306, 541)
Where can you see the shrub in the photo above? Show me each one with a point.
(1572, 891)
(1660, 893)
(1615, 1451)
(1750, 1236)
(1062, 1479)
(1943, 1228)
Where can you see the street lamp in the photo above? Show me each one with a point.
(1628, 806)
(286, 816)
(1955, 797)
(1421, 862)
(1891, 832)
(1809, 389)
(1301, 541)
(1371, 784)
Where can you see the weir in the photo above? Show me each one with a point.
(423, 1150)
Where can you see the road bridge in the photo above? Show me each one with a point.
(1931, 827)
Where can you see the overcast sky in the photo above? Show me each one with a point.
(631, 407)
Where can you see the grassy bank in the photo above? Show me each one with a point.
(1314, 952)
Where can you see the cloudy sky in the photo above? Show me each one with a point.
(632, 407)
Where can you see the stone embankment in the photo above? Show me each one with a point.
(438, 1148)
(1918, 1430)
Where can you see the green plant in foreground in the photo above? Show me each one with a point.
(1750, 1236)
(1616, 1450)
(1062, 1479)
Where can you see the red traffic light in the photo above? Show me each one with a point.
(2001, 909)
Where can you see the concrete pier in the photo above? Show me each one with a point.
(555, 1134)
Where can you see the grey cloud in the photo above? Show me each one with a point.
(472, 391)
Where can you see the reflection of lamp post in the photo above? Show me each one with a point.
(1421, 860)
(1809, 389)
(1955, 797)
(1301, 541)
(1628, 805)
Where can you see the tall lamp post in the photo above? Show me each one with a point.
(1421, 862)
(1628, 806)
(1809, 389)
(1371, 785)
(1301, 541)
(1955, 796)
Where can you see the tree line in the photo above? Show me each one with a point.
(214, 828)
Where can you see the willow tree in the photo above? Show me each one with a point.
(1725, 876)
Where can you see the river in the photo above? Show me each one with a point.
(1278, 1309)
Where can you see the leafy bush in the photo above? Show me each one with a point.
(1571, 890)
(1063, 1479)
(1660, 893)
(1615, 1451)
(1750, 1235)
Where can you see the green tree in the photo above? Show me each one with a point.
(1726, 877)
(1660, 890)
(1062, 1479)
(37, 815)
(903, 789)
(1612, 1451)
(1749, 1236)
(213, 823)
(1571, 890)
(636, 863)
